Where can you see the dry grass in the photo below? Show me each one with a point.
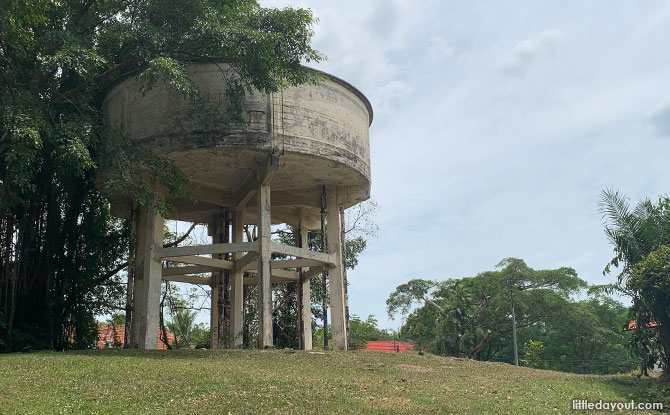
(272, 382)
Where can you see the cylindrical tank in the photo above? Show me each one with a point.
(321, 132)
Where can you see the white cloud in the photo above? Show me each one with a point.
(660, 118)
(440, 49)
(528, 51)
(386, 95)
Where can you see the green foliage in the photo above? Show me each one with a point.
(285, 310)
(182, 325)
(353, 248)
(61, 252)
(586, 337)
(456, 315)
(650, 280)
(406, 295)
(534, 351)
(284, 315)
(362, 331)
(640, 238)
(200, 336)
(117, 320)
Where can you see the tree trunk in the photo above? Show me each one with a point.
(161, 318)
(664, 329)
(485, 340)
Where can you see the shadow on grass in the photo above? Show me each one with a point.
(633, 387)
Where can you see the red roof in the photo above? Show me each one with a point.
(117, 334)
(389, 346)
(633, 325)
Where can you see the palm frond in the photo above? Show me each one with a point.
(614, 206)
(623, 227)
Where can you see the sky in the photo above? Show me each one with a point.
(496, 126)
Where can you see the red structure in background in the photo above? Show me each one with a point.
(389, 346)
(114, 336)
(633, 325)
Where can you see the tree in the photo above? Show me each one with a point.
(650, 280)
(182, 325)
(472, 316)
(586, 337)
(61, 251)
(640, 238)
(366, 330)
(534, 353)
(200, 336)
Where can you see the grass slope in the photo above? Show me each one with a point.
(274, 382)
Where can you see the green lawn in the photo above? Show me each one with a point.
(275, 382)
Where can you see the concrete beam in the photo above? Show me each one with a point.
(313, 272)
(254, 280)
(295, 263)
(190, 270)
(189, 279)
(200, 260)
(247, 261)
(262, 177)
(207, 249)
(329, 259)
(279, 273)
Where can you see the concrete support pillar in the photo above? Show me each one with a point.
(237, 285)
(264, 277)
(214, 294)
(147, 288)
(132, 265)
(337, 319)
(303, 292)
(214, 314)
(223, 305)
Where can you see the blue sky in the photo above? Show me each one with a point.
(497, 125)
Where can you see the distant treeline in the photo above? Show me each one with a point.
(472, 317)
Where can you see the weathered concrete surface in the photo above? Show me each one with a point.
(147, 279)
(335, 274)
(322, 131)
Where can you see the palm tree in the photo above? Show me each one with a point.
(181, 325)
(640, 238)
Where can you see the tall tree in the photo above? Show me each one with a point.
(61, 251)
(471, 315)
(641, 241)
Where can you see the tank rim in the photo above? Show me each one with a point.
(330, 76)
(350, 87)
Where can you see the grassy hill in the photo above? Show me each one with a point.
(275, 382)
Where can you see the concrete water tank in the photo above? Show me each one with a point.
(296, 154)
(321, 133)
